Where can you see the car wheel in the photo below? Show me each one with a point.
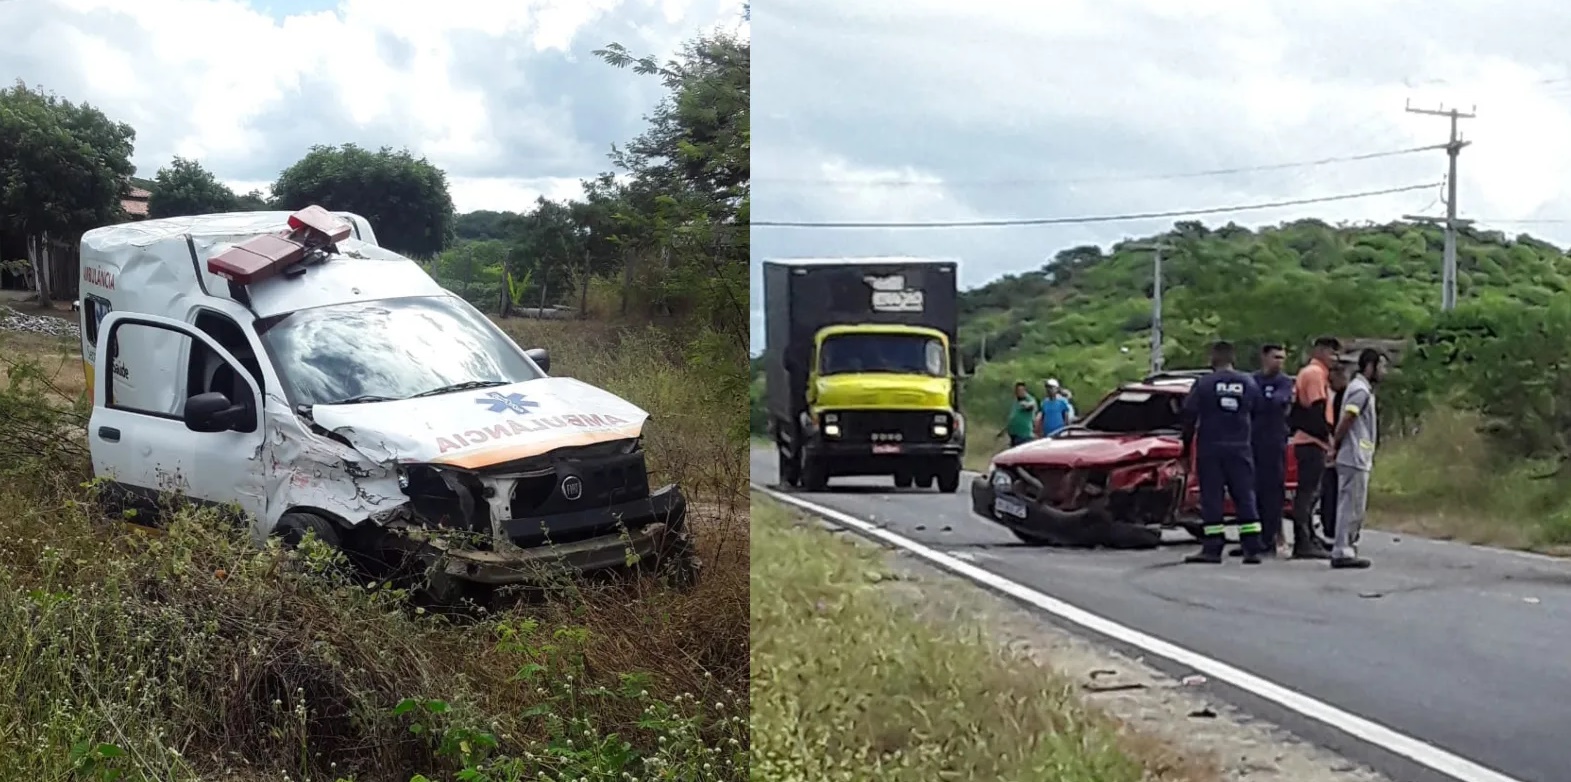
(903, 480)
(924, 481)
(293, 526)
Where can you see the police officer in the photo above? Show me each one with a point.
(1268, 430)
(1217, 420)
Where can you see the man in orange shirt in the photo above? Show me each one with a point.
(1311, 418)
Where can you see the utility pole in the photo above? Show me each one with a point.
(1450, 221)
(1156, 301)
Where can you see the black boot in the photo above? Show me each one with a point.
(1210, 552)
(1249, 544)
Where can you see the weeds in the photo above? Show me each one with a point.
(848, 685)
(190, 653)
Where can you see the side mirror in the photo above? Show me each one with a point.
(211, 412)
(540, 356)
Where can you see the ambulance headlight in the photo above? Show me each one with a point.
(1001, 479)
(831, 423)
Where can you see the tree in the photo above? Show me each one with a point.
(63, 169)
(405, 198)
(253, 201)
(185, 188)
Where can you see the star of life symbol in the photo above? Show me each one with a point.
(500, 403)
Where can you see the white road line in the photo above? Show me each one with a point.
(1420, 752)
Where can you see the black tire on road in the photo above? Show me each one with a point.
(903, 480)
(949, 480)
(815, 475)
(790, 474)
(924, 481)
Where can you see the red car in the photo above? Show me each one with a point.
(1114, 478)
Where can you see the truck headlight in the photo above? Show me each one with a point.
(941, 425)
(831, 424)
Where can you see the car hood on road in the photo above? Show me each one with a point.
(1079, 451)
(481, 427)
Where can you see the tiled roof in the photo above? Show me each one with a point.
(134, 207)
(139, 193)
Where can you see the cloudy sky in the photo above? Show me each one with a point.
(928, 110)
(504, 95)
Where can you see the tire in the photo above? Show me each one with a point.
(903, 480)
(293, 526)
(815, 477)
(790, 475)
(949, 480)
(924, 481)
(679, 564)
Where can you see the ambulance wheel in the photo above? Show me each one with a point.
(293, 526)
(903, 480)
(949, 480)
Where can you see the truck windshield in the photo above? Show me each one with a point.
(390, 349)
(907, 354)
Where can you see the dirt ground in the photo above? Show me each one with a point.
(1150, 702)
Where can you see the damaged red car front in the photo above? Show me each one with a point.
(1115, 478)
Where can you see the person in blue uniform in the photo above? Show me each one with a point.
(1218, 415)
(1269, 433)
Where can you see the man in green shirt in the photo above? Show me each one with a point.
(1022, 417)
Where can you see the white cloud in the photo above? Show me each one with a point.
(248, 92)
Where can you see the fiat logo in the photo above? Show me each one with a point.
(572, 487)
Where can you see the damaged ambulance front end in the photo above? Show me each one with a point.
(515, 485)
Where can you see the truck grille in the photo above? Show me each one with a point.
(880, 425)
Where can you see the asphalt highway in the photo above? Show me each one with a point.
(1464, 648)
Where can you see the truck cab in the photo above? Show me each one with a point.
(272, 363)
(862, 371)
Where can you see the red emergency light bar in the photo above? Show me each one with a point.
(311, 230)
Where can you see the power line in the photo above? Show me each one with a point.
(937, 182)
(1099, 218)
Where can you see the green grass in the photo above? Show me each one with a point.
(849, 684)
(193, 655)
(1449, 482)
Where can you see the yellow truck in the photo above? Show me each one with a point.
(861, 370)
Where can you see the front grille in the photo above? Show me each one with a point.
(879, 425)
(601, 481)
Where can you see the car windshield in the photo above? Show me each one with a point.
(1134, 412)
(390, 349)
(909, 354)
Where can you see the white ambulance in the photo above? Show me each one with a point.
(286, 364)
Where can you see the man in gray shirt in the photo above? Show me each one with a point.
(1353, 444)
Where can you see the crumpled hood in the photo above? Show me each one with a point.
(1081, 451)
(473, 429)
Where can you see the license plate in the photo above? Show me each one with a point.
(1009, 506)
(886, 448)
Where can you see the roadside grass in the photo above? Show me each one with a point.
(849, 683)
(190, 654)
(1448, 482)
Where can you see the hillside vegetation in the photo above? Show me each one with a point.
(1475, 407)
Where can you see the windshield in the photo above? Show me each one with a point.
(1135, 412)
(389, 349)
(901, 353)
